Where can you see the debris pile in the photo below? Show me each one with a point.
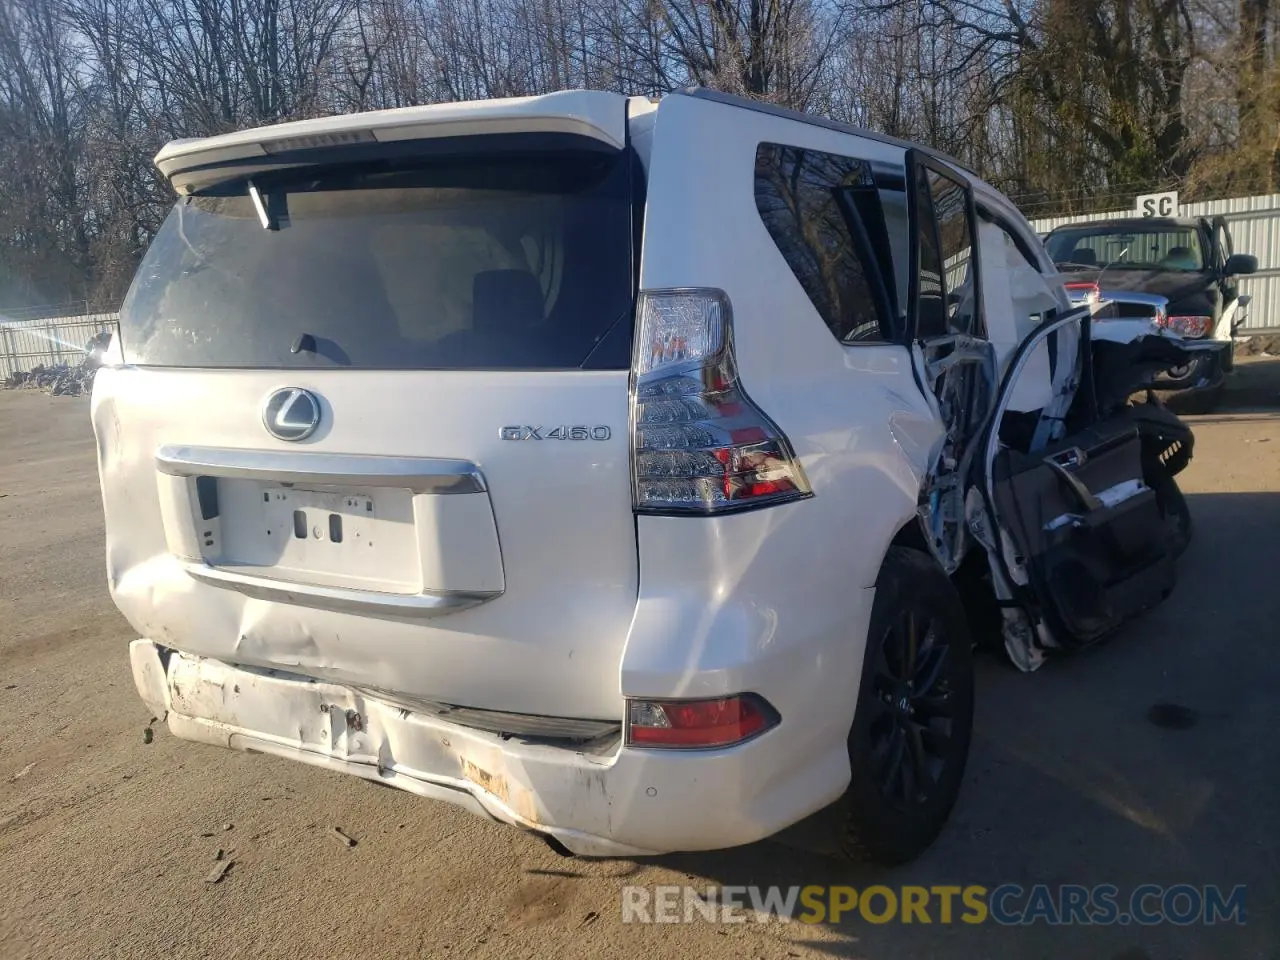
(1264, 345)
(62, 380)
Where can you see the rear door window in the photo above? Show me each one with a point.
(951, 208)
(837, 222)
(490, 262)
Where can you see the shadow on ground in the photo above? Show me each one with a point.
(1070, 781)
(1253, 385)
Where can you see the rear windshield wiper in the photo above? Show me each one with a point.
(260, 205)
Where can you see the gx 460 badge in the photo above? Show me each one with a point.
(579, 432)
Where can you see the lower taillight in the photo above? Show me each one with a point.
(719, 722)
(699, 444)
(1191, 327)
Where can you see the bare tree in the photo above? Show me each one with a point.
(1058, 101)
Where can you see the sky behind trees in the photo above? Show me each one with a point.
(1067, 105)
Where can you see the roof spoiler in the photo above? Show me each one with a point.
(190, 164)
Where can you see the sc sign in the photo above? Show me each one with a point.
(1158, 204)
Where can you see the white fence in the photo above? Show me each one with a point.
(25, 344)
(1254, 223)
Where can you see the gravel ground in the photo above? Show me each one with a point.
(106, 841)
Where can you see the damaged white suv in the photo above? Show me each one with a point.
(601, 465)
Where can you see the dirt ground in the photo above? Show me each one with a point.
(106, 841)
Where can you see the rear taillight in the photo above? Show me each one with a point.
(699, 445)
(1190, 327)
(721, 722)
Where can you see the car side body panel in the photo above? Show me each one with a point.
(774, 601)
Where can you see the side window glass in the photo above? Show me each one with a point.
(931, 312)
(1016, 297)
(955, 233)
(826, 218)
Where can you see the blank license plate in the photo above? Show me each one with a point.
(333, 518)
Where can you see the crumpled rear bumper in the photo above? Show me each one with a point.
(617, 802)
(1206, 372)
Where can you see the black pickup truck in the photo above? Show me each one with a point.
(1187, 261)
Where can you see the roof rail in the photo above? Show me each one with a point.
(746, 103)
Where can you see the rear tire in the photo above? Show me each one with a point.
(914, 720)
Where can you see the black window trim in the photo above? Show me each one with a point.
(917, 159)
(866, 253)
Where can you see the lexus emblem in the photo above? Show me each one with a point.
(291, 413)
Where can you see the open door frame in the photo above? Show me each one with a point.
(955, 371)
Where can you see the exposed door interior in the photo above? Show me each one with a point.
(1078, 544)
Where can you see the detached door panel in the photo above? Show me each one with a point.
(1083, 523)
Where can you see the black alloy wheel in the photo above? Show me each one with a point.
(914, 717)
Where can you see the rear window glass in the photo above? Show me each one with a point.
(497, 262)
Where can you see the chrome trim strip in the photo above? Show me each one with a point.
(522, 725)
(1153, 300)
(412, 606)
(420, 474)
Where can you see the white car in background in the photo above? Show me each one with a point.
(605, 466)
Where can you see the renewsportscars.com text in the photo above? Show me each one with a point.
(1007, 904)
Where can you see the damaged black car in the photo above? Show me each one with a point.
(1188, 262)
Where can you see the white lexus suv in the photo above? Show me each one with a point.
(605, 466)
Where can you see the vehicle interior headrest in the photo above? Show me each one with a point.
(1085, 256)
